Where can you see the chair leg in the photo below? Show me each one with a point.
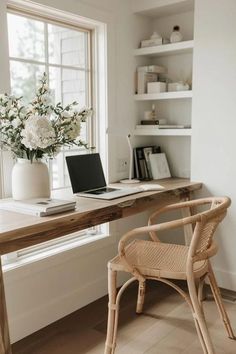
(218, 299)
(112, 312)
(201, 291)
(200, 335)
(203, 332)
(141, 296)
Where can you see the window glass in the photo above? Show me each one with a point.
(36, 47)
(67, 47)
(26, 38)
(25, 78)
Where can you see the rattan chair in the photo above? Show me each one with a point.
(152, 259)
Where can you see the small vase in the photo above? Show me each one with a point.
(176, 36)
(30, 180)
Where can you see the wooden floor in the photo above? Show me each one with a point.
(166, 327)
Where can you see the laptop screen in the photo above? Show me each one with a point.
(85, 172)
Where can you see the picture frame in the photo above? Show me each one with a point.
(159, 166)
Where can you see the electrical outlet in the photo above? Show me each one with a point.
(122, 165)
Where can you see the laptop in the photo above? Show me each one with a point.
(88, 180)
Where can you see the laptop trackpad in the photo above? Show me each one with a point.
(102, 191)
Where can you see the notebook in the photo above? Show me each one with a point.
(38, 206)
(88, 180)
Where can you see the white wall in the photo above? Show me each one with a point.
(40, 293)
(214, 118)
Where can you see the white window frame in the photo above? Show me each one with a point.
(99, 104)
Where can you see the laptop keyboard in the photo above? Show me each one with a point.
(102, 191)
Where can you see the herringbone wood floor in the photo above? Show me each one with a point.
(166, 327)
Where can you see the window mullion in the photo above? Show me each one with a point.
(36, 62)
(46, 51)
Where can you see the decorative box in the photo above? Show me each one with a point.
(177, 86)
(156, 87)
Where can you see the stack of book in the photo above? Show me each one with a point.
(38, 206)
(147, 74)
(142, 167)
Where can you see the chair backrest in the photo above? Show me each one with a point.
(202, 240)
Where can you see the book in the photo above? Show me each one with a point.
(148, 122)
(135, 165)
(159, 166)
(147, 151)
(142, 166)
(38, 206)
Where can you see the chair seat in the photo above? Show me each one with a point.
(157, 259)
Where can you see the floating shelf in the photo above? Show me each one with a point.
(164, 96)
(156, 9)
(166, 49)
(154, 131)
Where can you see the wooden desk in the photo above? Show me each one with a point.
(18, 231)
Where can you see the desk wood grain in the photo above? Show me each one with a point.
(18, 231)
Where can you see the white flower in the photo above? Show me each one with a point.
(40, 125)
(12, 112)
(5, 123)
(16, 122)
(73, 130)
(45, 99)
(67, 114)
(38, 133)
(2, 111)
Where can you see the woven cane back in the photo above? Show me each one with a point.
(207, 233)
(206, 227)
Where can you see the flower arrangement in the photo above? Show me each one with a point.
(39, 129)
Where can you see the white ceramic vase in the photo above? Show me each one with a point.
(176, 35)
(30, 180)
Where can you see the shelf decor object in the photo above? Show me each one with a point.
(176, 35)
(34, 132)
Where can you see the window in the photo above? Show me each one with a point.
(44, 41)
(37, 46)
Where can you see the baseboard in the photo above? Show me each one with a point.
(225, 279)
(59, 307)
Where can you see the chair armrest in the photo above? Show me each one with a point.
(188, 204)
(177, 206)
